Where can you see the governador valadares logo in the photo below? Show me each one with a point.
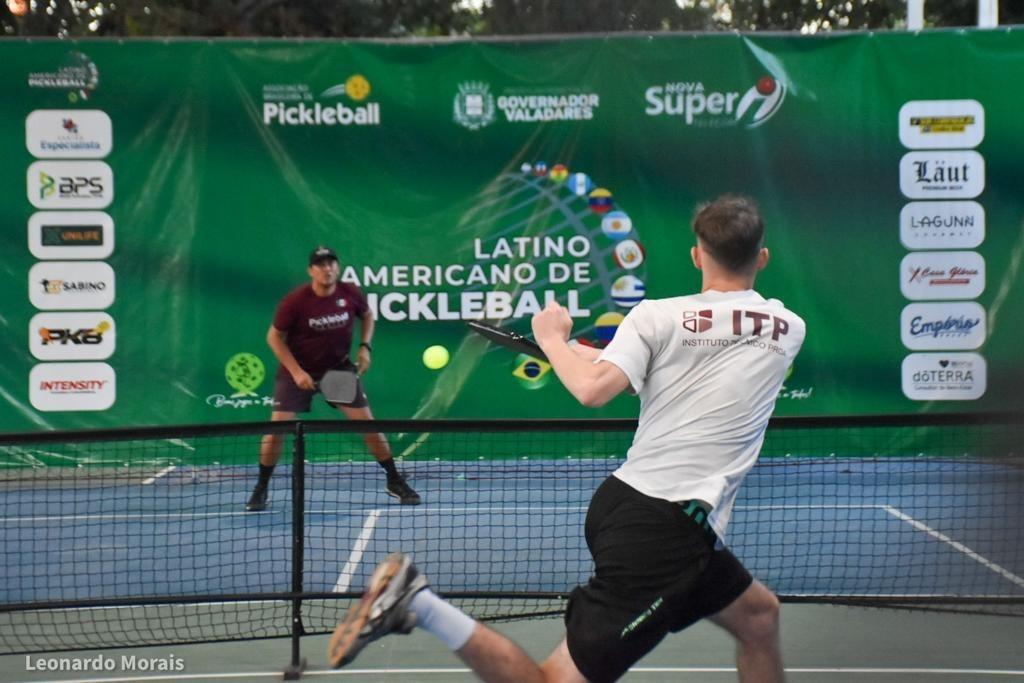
(710, 106)
(475, 107)
(342, 104)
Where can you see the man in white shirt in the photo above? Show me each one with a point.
(707, 368)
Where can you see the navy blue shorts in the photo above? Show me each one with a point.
(655, 571)
(288, 397)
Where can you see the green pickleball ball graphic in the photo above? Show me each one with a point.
(245, 373)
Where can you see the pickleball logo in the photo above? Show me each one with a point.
(474, 105)
(244, 373)
(697, 321)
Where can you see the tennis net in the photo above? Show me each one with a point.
(139, 537)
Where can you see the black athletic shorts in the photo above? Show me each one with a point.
(288, 397)
(656, 571)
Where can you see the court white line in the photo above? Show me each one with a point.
(639, 669)
(356, 556)
(162, 473)
(921, 526)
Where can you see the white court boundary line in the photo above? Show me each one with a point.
(162, 473)
(374, 514)
(988, 564)
(661, 669)
(356, 556)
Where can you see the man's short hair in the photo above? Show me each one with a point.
(731, 230)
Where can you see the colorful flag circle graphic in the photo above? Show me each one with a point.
(580, 184)
(606, 324)
(628, 291)
(616, 224)
(526, 168)
(629, 254)
(600, 200)
(559, 173)
(540, 169)
(530, 372)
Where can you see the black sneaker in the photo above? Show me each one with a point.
(258, 499)
(383, 609)
(398, 488)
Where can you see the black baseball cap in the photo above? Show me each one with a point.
(322, 253)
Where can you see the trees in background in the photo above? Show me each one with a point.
(427, 18)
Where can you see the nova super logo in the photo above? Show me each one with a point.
(295, 104)
(700, 105)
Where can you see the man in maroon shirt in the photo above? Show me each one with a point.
(311, 334)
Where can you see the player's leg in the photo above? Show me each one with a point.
(377, 445)
(753, 620)
(398, 599)
(289, 400)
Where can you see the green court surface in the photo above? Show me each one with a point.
(821, 643)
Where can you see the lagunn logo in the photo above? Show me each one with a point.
(942, 225)
(71, 285)
(57, 387)
(699, 105)
(72, 336)
(474, 105)
(942, 175)
(942, 124)
(942, 275)
(68, 134)
(697, 321)
(942, 326)
(944, 376)
(294, 104)
(71, 235)
(70, 185)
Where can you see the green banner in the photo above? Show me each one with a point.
(170, 193)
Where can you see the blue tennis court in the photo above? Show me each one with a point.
(825, 527)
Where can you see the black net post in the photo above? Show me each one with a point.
(294, 670)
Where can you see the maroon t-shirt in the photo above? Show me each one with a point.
(319, 328)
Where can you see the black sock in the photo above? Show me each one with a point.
(389, 467)
(265, 472)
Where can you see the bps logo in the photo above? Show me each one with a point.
(699, 105)
(697, 321)
(65, 387)
(70, 184)
(71, 336)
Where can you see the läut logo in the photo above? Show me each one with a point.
(697, 321)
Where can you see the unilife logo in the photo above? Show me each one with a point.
(698, 105)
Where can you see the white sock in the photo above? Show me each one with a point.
(445, 621)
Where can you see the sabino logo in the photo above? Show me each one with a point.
(697, 321)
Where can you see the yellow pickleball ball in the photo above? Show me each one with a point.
(435, 357)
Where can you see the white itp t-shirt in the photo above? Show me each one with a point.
(708, 368)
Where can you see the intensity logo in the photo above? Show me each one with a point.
(697, 321)
(699, 105)
(474, 105)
